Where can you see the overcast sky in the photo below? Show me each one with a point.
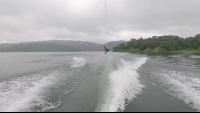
(39, 20)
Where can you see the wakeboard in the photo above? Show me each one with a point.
(106, 51)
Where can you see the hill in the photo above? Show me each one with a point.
(56, 46)
(166, 43)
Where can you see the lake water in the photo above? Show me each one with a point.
(98, 82)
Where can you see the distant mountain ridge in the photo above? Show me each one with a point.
(57, 46)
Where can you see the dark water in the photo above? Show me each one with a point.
(95, 82)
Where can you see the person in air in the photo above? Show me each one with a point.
(105, 48)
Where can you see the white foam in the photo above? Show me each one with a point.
(78, 62)
(183, 85)
(29, 93)
(124, 86)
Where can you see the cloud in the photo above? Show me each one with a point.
(37, 20)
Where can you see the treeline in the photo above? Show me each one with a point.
(161, 44)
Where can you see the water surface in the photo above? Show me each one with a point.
(98, 82)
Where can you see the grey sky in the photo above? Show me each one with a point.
(38, 20)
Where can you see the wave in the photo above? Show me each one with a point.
(37, 92)
(123, 86)
(183, 85)
(78, 62)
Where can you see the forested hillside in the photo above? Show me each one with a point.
(161, 44)
(56, 46)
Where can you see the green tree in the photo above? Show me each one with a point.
(158, 49)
